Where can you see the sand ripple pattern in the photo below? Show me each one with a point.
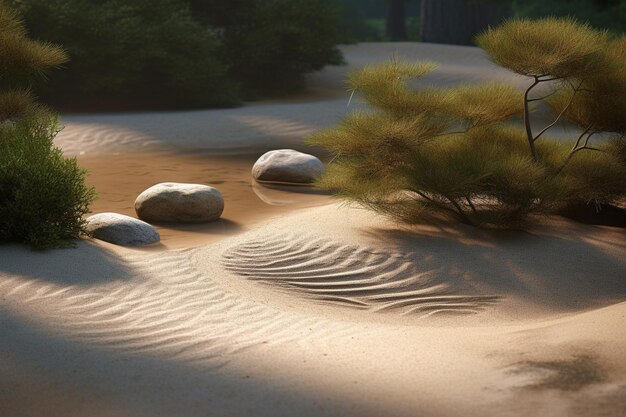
(181, 314)
(84, 136)
(353, 276)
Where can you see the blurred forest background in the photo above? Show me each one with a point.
(168, 54)
(373, 20)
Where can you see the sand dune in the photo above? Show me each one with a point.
(285, 309)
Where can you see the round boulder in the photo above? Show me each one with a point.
(181, 203)
(287, 166)
(121, 230)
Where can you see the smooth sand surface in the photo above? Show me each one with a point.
(285, 309)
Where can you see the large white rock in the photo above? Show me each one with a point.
(121, 230)
(182, 203)
(287, 166)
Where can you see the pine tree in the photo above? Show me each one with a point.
(23, 61)
(458, 150)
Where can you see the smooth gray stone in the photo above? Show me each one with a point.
(121, 230)
(287, 166)
(180, 203)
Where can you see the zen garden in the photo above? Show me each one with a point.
(312, 208)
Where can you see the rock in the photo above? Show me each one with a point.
(121, 230)
(287, 166)
(182, 203)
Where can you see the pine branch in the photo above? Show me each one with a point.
(529, 132)
(569, 104)
(542, 98)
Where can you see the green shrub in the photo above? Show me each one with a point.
(271, 44)
(458, 150)
(139, 54)
(42, 194)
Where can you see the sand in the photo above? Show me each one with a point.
(257, 127)
(120, 177)
(297, 305)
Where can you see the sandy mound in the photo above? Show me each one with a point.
(344, 274)
(117, 332)
(354, 257)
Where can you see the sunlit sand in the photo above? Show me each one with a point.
(296, 305)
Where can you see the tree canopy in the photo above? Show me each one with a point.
(458, 150)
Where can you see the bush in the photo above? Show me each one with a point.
(139, 54)
(271, 44)
(456, 150)
(42, 194)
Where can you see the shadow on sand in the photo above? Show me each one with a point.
(44, 373)
(85, 264)
(570, 268)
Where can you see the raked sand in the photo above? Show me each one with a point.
(288, 309)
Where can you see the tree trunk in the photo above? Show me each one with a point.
(458, 21)
(396, 20)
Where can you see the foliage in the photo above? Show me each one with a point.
(22, 58)
(144, 53)
(271, 44)
(605, 14)
(377, 9)
(23, 62)
(353, 25)
(459, 150)
(42, 195)
(365, 20)
(558, 47)
(597, 103)
(584, 68)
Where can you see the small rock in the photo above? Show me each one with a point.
(183, 203)
(287, 166)
(121, 230)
